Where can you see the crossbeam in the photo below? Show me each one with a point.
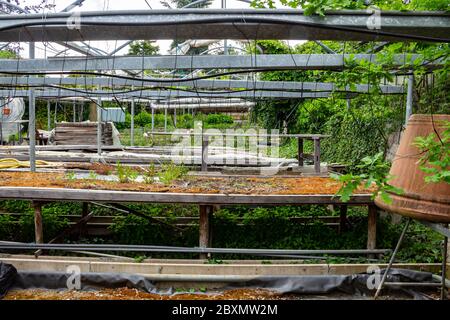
(203, 84)
(250, 62)
(239, 24)
(163, 94)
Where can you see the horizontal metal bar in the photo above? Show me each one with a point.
(163, 94)
(240, 24)
(436, 227)
(168, 249)
(203, 84)
(412, 284)
(251, 62)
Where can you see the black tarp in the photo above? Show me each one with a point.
(8, 275)
(355, 284)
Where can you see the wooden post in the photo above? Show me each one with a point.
(372, 227)
(300, 152)
(84, 214)
(38, 230)
(317, 155)
(204, 227)
(342, 218)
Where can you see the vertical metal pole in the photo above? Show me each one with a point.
(99, 126)
(317, 155)
(409, 98)
(153, 118)
(48, 115)
(444, 268)
(225, 42)
(300, 152)
(205, 143)
(74, 111)
(132, 121)
(165, 119)
(32, 120)
(175, 117)
(391, 261)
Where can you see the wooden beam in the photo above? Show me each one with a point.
(65, 194)
(343, 218)
(38, 227)
(204, 228)
(372, 227)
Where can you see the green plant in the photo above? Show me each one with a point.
(435, 160)
(70, 175)
(149, 174)
(374, 171)
(92, 175)
(125, 174)
(170, 172)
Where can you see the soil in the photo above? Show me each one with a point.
(134, 294)
(189, 184)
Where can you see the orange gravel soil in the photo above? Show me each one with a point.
(134, 294)
(189, 184)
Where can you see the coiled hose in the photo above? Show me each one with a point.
(11, 163)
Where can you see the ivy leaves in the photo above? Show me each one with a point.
(435, 160)
(374, 175)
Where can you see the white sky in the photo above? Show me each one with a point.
(101, 5)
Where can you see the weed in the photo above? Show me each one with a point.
(126, 174)
(92, 175)
(149, 174)
(171, 172)
(70, 175)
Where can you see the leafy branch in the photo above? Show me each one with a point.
(435, 160)
(375, 174)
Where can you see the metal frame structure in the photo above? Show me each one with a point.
(226, 24)
(202, 24)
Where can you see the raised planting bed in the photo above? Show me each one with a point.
(188, 184)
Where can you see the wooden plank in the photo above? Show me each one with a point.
(63, 194)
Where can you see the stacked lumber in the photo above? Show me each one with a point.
(82, 133)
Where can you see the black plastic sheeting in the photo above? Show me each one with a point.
(7, 276)
(308, 284)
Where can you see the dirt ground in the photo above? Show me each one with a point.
(189, 184)
(134, 294)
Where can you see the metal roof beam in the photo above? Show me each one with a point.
(238, 24)
(252, 62)
(200, 84)
(164, 94)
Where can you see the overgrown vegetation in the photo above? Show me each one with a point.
(375, 174)
(435, 160)
(233, 227)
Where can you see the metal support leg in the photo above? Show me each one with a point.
(391, 261)
(300, 152)
(317, 155)
(444, 269)
(205, 143)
